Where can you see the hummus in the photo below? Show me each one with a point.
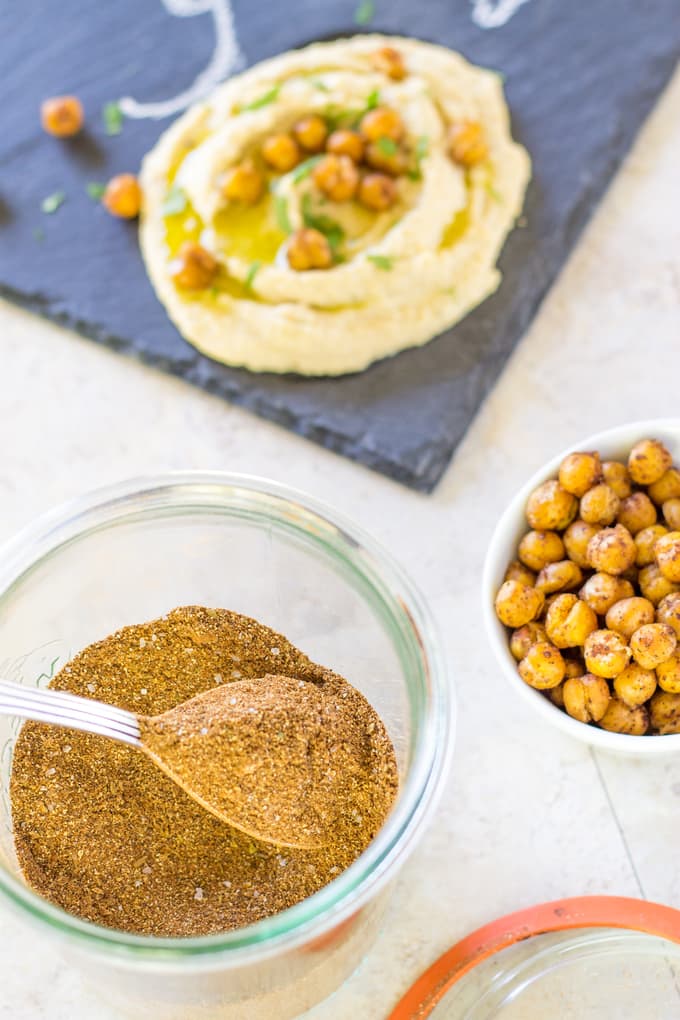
(401, 276)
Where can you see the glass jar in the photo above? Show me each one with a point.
(133, 552)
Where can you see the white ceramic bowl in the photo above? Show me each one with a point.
(614, 444)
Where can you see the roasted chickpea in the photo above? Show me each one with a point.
(516, 604)
(668, 611)
(637, 512)
(653, 585)
(671, 513)
(599, 505)
(377, 191)
(281, 152)
(574, 667)
(389, 159)
(389, 61)
(645, 541)
(243, 183)
(667, 487)
(308, 249)
(311, 132)
(194, 268)
(569, 621)
(518, 572)
(542, 667)
(619, 718)
(561, 576)
(344, 142)
(123, 196)
(524, 637)
(668, 673)
(606, 653)
(62, 116)
(550, 507)
(652, 644)
(382, 123)
(648, 461)
(627, 615)
(580, 472)
(664, 712)
(556, 695)
(538, 548)
(635, 685)
(601, 591)
(337, 177)
(586, 697)
(667, 555)
(617, 478)
(612, 550)
(576, 539)
(467, 143)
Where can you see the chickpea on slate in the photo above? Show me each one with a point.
(593, 598)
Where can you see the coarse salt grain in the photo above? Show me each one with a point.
(198, 895)
(142, 642)
(91, 688)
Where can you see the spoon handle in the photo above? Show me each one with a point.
(69, 710)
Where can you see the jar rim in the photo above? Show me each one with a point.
(409, 624)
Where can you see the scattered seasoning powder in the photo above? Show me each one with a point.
(108, 837)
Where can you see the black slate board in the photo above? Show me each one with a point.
(581, 77)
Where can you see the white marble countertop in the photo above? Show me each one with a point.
(528, 815)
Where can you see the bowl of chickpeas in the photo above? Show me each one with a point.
(581, 589)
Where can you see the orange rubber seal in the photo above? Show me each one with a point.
(562, 915)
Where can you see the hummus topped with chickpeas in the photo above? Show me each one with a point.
(333, 205)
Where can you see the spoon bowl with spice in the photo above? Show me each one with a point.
(276, 757)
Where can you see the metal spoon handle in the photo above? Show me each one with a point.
(69, 710)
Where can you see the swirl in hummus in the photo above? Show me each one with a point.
(333, 205)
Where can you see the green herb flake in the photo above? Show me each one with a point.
(281, 213)
(38, 234)
(251, 274)
(53, 201)
(112, 115)
(495, 195)
(175, 201)
(95, 190)
(264, 100)
(373, 99)
(332, 230)
(421, 150)
(303, 170)
(364, 13)
(385, 262)
(387, 146)
(320, 85)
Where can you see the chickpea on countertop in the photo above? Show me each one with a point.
(593, 599)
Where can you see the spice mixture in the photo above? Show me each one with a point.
(280, 758)
(103, 833)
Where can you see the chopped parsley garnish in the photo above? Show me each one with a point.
(303, 170)
(251, 274)
(387, 146)
(320, 85)
(175, 201)
(364, 13)
(264, 100)
(38, 234)
(332, 230)
(373, 99)
(281, 212)
(496, 195)
(381, 261)
(421, 149)
(95, 190)
(112, 115)
(53, 201)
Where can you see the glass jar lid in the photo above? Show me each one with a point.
(589, 958)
